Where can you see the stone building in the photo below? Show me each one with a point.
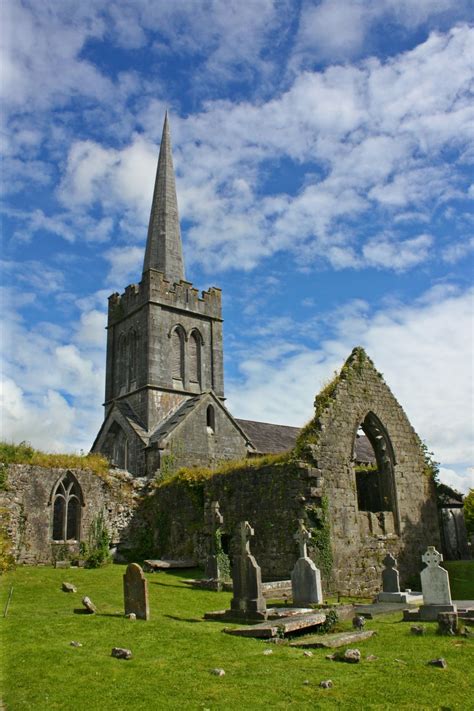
(356, 473)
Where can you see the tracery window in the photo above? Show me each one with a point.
(66, 502)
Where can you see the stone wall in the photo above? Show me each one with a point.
(318, 482)
(27, 516)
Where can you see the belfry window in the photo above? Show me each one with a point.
(374, 462)
(177, 354)
(210, 419)
(66, 502)
(194, 357)
(132, 357)
(122, 361)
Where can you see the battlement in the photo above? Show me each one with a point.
(155, 288)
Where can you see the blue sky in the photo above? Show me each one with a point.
(323, 153)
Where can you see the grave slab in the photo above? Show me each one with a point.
(153, 565)
(283, 626)
(332, 641)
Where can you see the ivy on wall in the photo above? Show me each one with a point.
(319, 526)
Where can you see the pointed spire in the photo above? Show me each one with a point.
(163, 247)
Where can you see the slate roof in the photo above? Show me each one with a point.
(174, 419)
(273, 439)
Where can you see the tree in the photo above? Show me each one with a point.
(469, 512)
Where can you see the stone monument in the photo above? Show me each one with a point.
(213, 522)
(305, 578)
(248, 601)
(435, 587)
(391, 584)
(135, 592)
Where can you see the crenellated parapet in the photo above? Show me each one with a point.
(155, 288)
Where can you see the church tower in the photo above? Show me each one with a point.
(164, 340)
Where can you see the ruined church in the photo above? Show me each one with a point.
(356, 474)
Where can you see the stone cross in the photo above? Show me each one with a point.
(214, 520)
(246, 532)
(432, 557)
(435, 581)
(390, 576)
(302, 536)
(248, 601)
(135, 592)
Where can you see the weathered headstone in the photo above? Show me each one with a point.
(135, 592)
(248, 601)
(435, 586)
(89, 605)
(213, 522)
(391, 584)
(305, 578)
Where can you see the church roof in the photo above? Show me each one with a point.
(169, 424)
(163, 248)
(268, 438)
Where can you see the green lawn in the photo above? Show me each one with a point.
(175, 651)
(461, 578)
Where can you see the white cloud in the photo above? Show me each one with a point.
(461, 482)
(125, 265)
(423, 350)
(383, 252)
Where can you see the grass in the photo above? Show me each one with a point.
(175, 651)
(461, 578)
(24, 453)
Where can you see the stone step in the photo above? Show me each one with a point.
(281, 627)
(339, 639)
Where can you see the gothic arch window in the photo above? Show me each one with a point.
(194, 357)
(177, 353)
(375, 461)
(132, 357)
(211, 419)
(66, 502)
(122, 361)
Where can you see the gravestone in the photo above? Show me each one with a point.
(434, 586)
(305, 578)
(135, 592)
(213, 521)
(248, 601)
(391, 584)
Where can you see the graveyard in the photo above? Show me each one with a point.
(176, 652)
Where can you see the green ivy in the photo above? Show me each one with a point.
(223, 560)
(96, 551)
(319, 526)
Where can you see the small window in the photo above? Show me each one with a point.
(194, 351)
(67, 500)
(210, 419)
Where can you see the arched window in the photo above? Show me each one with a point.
(374, 465)
(132, 357)
(67, 501)
(210, 419)
(177, 354)
(122, 361)
(194, 357)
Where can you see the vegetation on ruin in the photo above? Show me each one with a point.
(24, 453)
(196, 476)
(318, 521)
(174, 653)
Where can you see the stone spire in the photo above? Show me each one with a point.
(163, 246)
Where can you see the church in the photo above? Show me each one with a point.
(356, 474)
(164, 390)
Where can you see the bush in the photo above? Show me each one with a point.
(95, 552)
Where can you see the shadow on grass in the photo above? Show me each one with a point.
(82, 611)
(183, 619)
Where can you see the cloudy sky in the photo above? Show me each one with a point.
(323, 152)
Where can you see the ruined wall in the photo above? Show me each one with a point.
(318, 482)
(27, 516)
(269, 497)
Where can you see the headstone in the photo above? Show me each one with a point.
(391, 584)
(213, 521)
(435, 587)
(390, 575)
(305, 578)
(248, 601)
(135, 592)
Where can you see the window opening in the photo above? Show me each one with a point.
(374, 462)
(210, 419)
(177, 354)
(195, 358)
(67, 500)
